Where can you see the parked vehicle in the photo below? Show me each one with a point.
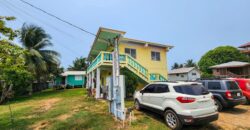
(181, 103)
(244, 84)
(226, 92)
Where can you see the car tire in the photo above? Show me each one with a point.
(137, 105)
(218, 104)
(172, 120)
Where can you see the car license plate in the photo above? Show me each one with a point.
(238, 94)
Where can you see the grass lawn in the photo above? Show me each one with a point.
(68, 109)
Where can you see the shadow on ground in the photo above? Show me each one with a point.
(235, 110)
(160, 118)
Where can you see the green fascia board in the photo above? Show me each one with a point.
(101, 42)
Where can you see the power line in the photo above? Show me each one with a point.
(52, 15)
(20, 11)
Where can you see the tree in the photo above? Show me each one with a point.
(177, 66)
(14, 77)
(6, 31)
(190, 63)
(38, 59)
(220, 55)
(79, 64)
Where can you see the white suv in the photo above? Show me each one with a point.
(181, 103)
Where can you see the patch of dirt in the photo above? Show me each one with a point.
(64, 116)
(237, 118)
(40, 125)
(47, 104)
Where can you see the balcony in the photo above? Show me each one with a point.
(106, 59)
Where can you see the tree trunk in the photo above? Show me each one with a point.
(6, 93)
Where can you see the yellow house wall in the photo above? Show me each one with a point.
(143, 56)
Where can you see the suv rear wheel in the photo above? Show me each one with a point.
(172, 120)
(137, 105)
(218, 105)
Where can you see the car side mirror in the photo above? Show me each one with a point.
(142, 91)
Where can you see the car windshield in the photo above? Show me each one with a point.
(232, 85)
(193, 89)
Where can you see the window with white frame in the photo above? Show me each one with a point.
(131, 52)
(78, 77)
(155, 56)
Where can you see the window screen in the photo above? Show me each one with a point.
(78, 77)
(155, 56)
(131, 52)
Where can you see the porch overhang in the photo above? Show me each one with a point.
(102, 41)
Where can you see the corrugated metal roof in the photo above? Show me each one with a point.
(231, 64)
(181, 70)
(66, 73)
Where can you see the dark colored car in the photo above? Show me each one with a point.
(227, 93)
(244, 84)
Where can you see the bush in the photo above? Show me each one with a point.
(131, 82)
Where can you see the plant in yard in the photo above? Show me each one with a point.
(35, 42)
(220, 55)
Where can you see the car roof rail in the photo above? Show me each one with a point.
(167, 81)
(212, 78)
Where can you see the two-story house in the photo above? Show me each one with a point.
(147, 60)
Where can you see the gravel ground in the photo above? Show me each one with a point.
(237, 118)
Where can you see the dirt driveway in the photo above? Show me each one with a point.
(237, 118)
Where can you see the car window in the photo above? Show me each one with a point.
(149, 89)
(214, 85)
(162, 88)
(195, 89)
(232, 85)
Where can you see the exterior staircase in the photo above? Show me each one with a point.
(105, 58)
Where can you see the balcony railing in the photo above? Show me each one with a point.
(106, 58)
(157, 77)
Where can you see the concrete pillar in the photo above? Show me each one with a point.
(87, 82)
(92, 81)
(98, 83)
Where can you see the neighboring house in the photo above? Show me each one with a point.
(147, 60)
(235, 69)
(245, 48)
(71, 78)
(184, 74)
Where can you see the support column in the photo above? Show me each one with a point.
(98, 83)
(88, 80)
(92, 82)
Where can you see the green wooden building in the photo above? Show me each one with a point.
(71, 78)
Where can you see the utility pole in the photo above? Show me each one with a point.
(117, 106)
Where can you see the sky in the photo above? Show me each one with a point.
(192, 26)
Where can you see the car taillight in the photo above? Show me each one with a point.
(228, 95)
(185, 99)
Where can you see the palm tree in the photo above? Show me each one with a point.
(78, 64)
(35, 41)
(190, 63)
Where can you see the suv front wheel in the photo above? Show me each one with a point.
(172, 120)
